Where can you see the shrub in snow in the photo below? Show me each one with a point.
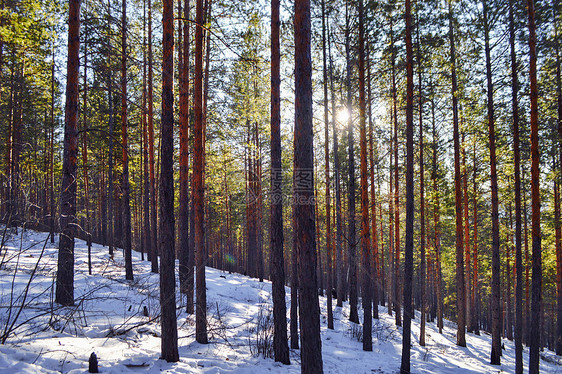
(261, 334)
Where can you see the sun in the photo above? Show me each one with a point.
(342, 115)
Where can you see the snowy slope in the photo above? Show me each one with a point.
(109, 319)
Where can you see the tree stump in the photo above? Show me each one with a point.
(93, 363)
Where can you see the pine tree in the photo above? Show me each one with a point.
(517, 182)
(340, 290)
(536, 292)
(166, 238)
(183, 224)
(64, 294)
(198, 189)
(495, 301)
(125, 147)
(557, 206)
(277, 262)
(409, 245)
(309, 316)
(365, 232)
(423, 267)
(153, 201)
(352, 246)
(329, 244)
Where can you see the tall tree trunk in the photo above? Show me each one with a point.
(366, 292)
(260, 211)
(466, 238)
(166, 239)
(207, 45)
(85, 133)
(9, 145)
(436, 224)
(52, 153)
(327, 172)
(375, 243)
(111, 184)
(45, 185)
(125, 148)
(396, 211)
(183, 217)
(319, 272)
(153, 201)
(198, 190)
(16, 210)
(339, 232)
(146, 181)
(526, 319)
(509, 275)
(474, 295)
(495, 302)
(309, 316)
(382, 266)
(64, 294)
(3, 207)
(294, 286)
(251, 207)
(423, 302)
(557, 205)
(190, 282)
(277, 261)
(409, 245)
(460, 288)
(391, 273)
(535, 199)
(353, 315)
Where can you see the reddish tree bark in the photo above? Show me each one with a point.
(52, 154)
(495, 302)
(535, 327)
(111, 187)
(352, 246)
(198, 190)
(474, 295)
(294, 327)
(253, 200)
(183, 227)
(166, 239)
(366, 293)
(557, 206)
(146, 181)
(64, 293)
(396, 207)
(277, 265)
(460, 287)
(423, 302)
(309, 316)
(85, 135)
(327, 174)
(153, 201)
(466, 238)
(15, 143)
(409, 245)
(382, 266)
(436, 224)
(339, 278)
(125, 148)
(375, 243)
(392, 274)
(509, 275)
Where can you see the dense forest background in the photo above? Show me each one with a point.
(470, 103)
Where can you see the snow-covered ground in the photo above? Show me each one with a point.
(118, 320)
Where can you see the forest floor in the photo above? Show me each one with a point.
(118, 320)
